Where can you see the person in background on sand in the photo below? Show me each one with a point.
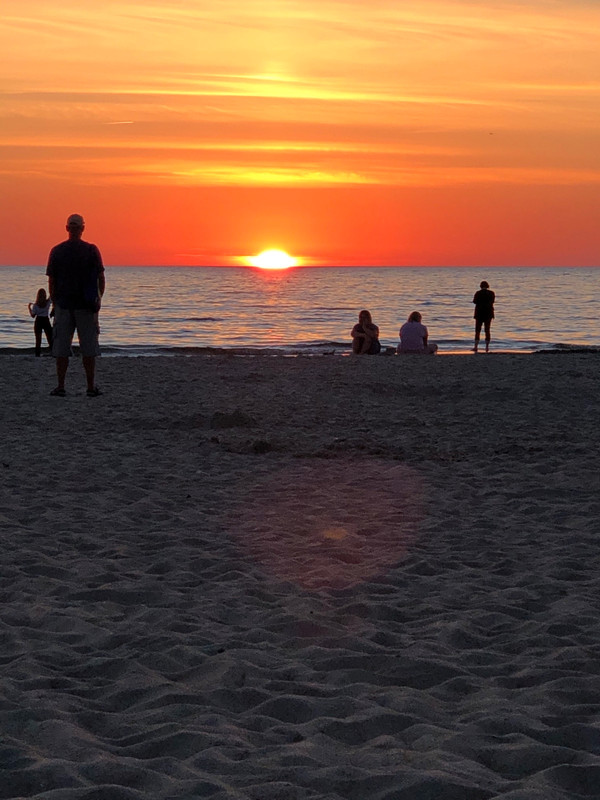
(40, 311)
(484, 314)
(414, 337)
(365, 335)
(76, 284)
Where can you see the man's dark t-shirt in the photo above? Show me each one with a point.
(75, 267)
(484, 305)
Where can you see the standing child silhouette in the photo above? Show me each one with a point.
(40, 311)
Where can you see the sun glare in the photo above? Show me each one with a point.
(273, 259)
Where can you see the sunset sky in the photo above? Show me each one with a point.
(384, 132)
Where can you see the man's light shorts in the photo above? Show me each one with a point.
(66, 322)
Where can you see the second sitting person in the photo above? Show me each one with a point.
(414, 337)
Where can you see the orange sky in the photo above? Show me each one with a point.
(343, 131)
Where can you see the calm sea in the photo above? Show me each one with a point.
(151, 310)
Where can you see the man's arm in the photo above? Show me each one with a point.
(101, 278)
(51, 283)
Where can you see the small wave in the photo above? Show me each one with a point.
(316, 348)
(183, 350)
(561, 347)
(351, 310)
(204, 319)
(321, 344)
(19, 351)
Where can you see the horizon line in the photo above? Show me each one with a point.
(326, 266)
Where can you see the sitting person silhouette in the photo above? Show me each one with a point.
(414, 337)
(365, 335)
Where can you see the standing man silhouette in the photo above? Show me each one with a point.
(484, 314)
(76, 284)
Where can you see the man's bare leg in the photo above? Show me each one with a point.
(62, 364)
(477, 335)
(89, 365)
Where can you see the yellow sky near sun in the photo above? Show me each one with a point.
(307, 94)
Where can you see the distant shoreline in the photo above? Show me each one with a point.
(283, 352)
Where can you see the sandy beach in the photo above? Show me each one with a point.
(328, 578)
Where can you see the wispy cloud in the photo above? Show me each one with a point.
(300, 91)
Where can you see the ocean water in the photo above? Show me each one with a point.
(152, 310)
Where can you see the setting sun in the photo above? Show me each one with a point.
(273, 259)
(346, 130)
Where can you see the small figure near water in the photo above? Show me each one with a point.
(76, 285)
(484, 314)
(365, 335)
(414, 337)
(40, 311)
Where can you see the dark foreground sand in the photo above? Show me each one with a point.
(292, 578)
